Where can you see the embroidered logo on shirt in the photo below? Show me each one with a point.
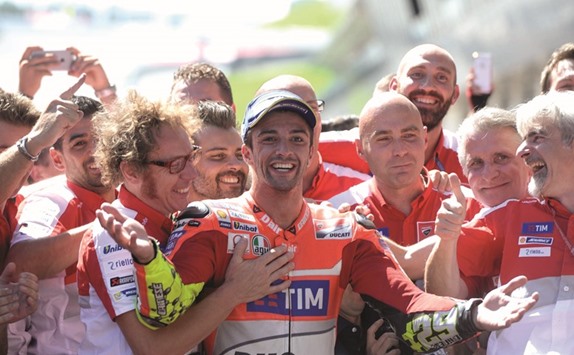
(233, 239)
(524, 239)
(302, 298)
(336, 232)
(241, 215)
(424, 229)
(223, 218)
(538, 228)
(260, 245)
(121, 280)
(128, 293)
(112, 248)
(534, 252)
(245, 227)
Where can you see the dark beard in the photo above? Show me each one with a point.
(432, 118)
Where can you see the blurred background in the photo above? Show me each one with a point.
(343, 47)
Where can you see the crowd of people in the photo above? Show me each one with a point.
(139, 226)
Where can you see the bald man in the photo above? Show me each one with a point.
(427, 77)
(401, 197)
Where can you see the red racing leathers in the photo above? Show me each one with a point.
(331, 251)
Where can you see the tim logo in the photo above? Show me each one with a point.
(260, 245)
(303, 298)
(538, 228)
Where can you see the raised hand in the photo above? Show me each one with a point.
(499, 309)
(127, 232)
(86, 64)
(256, 278)
(59, 116)
(32, 70)
(451, 214)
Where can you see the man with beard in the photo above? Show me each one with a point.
(41, 243)
(221, 171)
(147, 147)
(528, 236)
(427, 77)
(277, 132)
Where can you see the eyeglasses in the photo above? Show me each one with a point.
(176, 165)
(318, 105)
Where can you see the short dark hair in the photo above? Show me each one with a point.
(194, 72)
(18, 110)
(566, 51)
(88, 106)
(218, 114)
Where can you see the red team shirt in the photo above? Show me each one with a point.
(47, 212)
(106, 277)
(531, 238)
(332, 179)
(331, 251)
(394, 224)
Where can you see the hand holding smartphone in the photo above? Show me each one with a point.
(482, 67)
(64, 58)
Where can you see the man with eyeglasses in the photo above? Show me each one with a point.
(331, 250)
(321, 180)
(147, 148)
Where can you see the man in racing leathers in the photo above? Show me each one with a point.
(331, 250)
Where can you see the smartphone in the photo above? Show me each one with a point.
(64, 58)
(482, 66)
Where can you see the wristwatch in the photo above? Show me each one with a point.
(110, 90)
(21, 145)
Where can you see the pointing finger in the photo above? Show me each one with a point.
(456, 188)
(67, 95)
